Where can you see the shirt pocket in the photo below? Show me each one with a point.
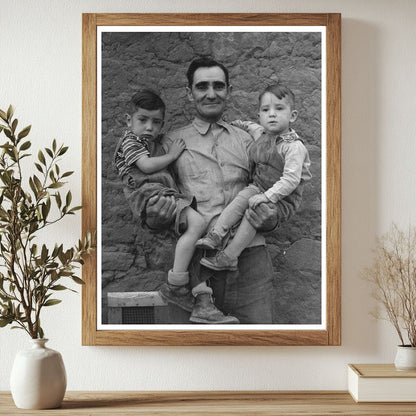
(197, 183)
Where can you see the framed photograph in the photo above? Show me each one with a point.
(183, 115)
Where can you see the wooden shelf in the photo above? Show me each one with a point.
(221, 403)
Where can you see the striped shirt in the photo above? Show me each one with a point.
(130, 149)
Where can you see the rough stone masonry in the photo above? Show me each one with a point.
(136, 260)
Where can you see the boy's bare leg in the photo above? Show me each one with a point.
(185, 247)
(243, 237)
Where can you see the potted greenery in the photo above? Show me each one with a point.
(393, 277)
(31, 273)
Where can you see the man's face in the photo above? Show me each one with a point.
(209, 92)
(145, 123)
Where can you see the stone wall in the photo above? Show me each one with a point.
(136, 260)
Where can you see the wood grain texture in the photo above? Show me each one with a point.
(332, 334)
(220, 403)
(89, 173)
(333, 177)
(380, 371)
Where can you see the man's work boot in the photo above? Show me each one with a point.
(178, 295)
(205, 312)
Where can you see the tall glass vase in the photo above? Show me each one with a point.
(38, 377)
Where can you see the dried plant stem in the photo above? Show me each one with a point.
(393, 276)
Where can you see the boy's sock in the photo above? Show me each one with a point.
(176, 291)
(200, 289)
(178, 278)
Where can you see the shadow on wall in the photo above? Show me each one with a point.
(136, 260)
(361, 115)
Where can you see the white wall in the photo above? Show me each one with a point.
(40, 74)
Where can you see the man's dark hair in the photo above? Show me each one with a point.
(204, 62)
(146, 99)
(280, 91)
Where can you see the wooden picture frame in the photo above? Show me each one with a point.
(330, 331)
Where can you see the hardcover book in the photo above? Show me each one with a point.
(381, 383)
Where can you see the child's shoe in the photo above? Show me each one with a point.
(205, 312)
(178, 295)
(212, 241)
(220, 262)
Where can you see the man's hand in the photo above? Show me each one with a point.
(160, 211)
(256, 200)
(264, 217)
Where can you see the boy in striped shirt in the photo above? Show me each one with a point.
(141, 162)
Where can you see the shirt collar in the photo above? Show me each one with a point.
(290, 136)
(203, 126)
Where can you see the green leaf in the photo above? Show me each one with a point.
(24, 132)
(67, 174)
(49, 152)
(40, 331)
(76, 279)
(10, 112)
(58, 199)
(41, 157)
(5, 321)
(54, 145)
(14, 125)
(44, 253)
(8, 133)
(68, 199)
(45, 211)
(56, 185)
(25, 145)
(72, 210)
(3, 115)
(63, 150)
(59, 287)
(33, 187)
(39, 167)
(51, 302)
(37, 182)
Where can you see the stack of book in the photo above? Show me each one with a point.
(381, 383)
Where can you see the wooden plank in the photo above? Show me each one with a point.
(132, 299)
(89, 173)
(210, 337)
(219, 403)
(333, 179)
(211, 19)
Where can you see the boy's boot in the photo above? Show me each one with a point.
(175, 291)
(212, 241)
(221, 261)
(205, 312)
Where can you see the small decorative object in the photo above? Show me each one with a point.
(38, 378)
(381, 383)
(393, 276)
(30, 272)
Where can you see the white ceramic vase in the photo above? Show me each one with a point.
(38, 377)
(405, 358)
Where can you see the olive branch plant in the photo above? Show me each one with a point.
(30, 273)
(393, 277)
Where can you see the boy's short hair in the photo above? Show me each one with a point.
(204, 62)
(280, 91)
(146, 99)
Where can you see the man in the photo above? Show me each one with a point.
(214, 168)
